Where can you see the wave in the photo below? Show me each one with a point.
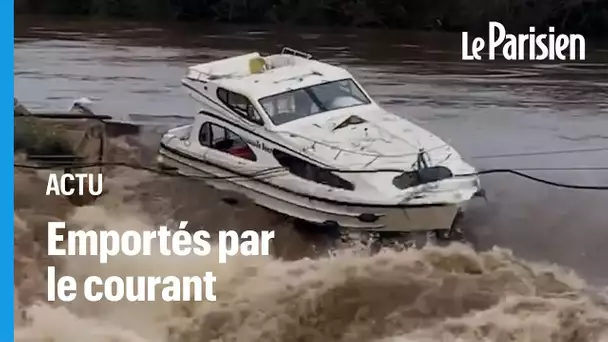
(300, 293)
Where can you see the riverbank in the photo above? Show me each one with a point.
(585, 17)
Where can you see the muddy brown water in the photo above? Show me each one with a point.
(485, 109)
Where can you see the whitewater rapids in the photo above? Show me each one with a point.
(301, 293)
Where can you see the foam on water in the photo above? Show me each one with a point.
(301, 294)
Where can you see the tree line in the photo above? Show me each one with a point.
(580, 16)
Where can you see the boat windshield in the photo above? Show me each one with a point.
(312, 100)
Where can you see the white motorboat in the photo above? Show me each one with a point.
(304, 138)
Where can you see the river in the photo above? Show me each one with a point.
(485, 109)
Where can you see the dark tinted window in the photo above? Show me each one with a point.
(204, 135)
(311, 172)
(422, 176)
(239, 104)
(222, 94)
(296, 104)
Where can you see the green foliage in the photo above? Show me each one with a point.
(145, 9)
(584, 16)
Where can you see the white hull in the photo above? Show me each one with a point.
(393, 218)
(344, 160)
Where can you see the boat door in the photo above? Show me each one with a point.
(226, 149)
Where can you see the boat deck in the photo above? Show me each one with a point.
(283, 73)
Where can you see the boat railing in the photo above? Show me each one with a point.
(376, 155)
(209, 76)
(290, 51)
(232, 67)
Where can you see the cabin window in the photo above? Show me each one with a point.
(311, 172)
(239, 104)
(204, 135)
(303, 102)
(222, 94)
(422, 176)
(222, 139)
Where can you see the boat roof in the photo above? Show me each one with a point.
(284, 72)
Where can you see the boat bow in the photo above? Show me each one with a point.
(367, 138)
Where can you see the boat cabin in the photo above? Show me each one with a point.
(273, 90)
